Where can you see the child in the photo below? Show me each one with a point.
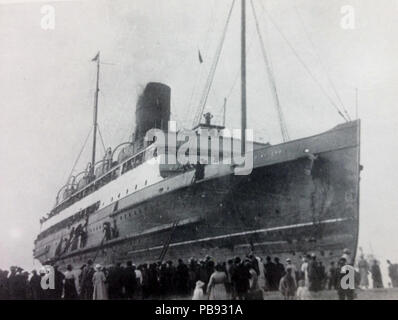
(287, 285)
(302, 291)
(198, 292)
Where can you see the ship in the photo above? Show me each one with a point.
(299, 197)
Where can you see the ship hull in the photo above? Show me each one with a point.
(301, 197)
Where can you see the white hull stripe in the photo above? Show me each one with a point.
(293, 226)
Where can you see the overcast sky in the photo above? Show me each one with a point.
(47, 83)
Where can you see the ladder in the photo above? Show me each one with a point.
(99, 248)
(167, 243)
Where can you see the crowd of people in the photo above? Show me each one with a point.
(236, 279)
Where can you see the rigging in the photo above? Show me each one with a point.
(303, 63)
(212, 72)
(271, 77)
(322, 64)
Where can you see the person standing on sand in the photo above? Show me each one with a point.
(87, 281)
(35, 286)
(255, 292)
(287, 285)
(240, 279)
(70, 291)
(269, 273)
(363, 267)
(313, 275)
(393, 273)
(302, 291)
(304, 270)
(99, 292)
(290, 265)
(198, 292)
(332, 276)
(376, 275)
(217, 284)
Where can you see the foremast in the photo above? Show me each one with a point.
(95, 116)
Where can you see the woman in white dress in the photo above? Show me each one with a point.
(217, 284)
(99, 280)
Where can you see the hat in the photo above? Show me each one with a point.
(288, 260)
(347, 251)
(199, 284)
(98, 267)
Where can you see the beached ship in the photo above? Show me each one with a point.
(302, 196)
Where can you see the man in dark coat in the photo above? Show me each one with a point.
(230, 268)
(35, 286)
(58, 283)
(203, 274)
(182, 278)
(279, 271)
(164, 280)
(332, 276)
(116, 282)
(87, 287)
(130, 280)
(376, 275)
(193, 274)
(313, 274)
(270, 274)
(393, 273)
(240, 278)
(21, 284)
(153, 282)
(322, 275)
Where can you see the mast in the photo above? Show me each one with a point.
(356, 103)
(243, 79)
(95, 123)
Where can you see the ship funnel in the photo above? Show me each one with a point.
(153, 109)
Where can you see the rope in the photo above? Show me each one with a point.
(102, 140)
(80, 153)
(303, 63)
(271, 77)
(200, 66)
(213, 69)
(321, 63)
